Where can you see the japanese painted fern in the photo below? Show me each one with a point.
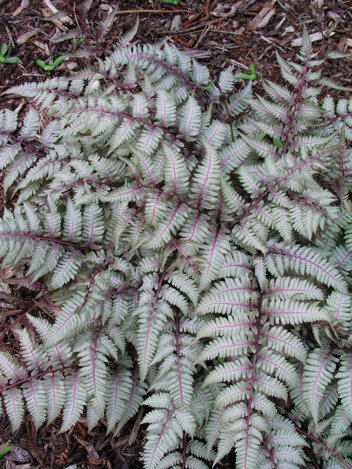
(190, 249)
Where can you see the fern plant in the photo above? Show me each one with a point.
(182, 261)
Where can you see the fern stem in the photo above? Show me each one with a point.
(311, 204)
(94, 351)
(184, 256)
(297, 98)
(343, 260)
(170, 195)
(168, 417)
(91, 284)
(151, 317)
(114, 79)
(298, 168)
(309, 435)
(271, 456)
(184, 451)
(342, 198)
(44, 238)
(340, 116)
(177, 324)
(24, 283)
(296, 256)
(173, 71)
(252, 380)
(32, 148)
(230, 124)
(87, 30)
(123, 290)
(133, 119)
(37, 376)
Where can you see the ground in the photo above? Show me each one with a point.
(218, 33)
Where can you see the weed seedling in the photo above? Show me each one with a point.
(276, 141)
(6, 449)
(171, 2)
(51, 67)
(7, 60)
(252, 76)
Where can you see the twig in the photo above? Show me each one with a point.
(133, 435)
(197, 20)
(128, 12)
(188, 30)
(9, 36)
(202, 36)
(224, 31)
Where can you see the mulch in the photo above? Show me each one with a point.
(218, 33)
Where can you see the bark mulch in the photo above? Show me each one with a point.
(218, 33)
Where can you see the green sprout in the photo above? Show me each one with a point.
(276, 141)
(6, 449)
(51, 67)
(171, 2)
(209, 85)
(253, 75)
(76, 42)
(9, 60)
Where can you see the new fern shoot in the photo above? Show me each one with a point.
(198, 269)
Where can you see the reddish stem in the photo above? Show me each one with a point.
(37, 376)
(325, 446)
(271, 456)
(44, 238)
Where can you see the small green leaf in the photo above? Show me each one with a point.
(261, 136)
(49, 68)
(5, 450)
(9, 60)
(41, 64)
(4, 48)
(252, 69)
(171, 2)
(12, 60)
(244, 76)
(58, 61)
(277, 142)
(221, 359)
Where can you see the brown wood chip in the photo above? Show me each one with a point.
(24, 37)
(263, 17)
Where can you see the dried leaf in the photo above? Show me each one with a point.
(263, 17)
(24, 4)
(56, 22)
(18, 454)
(54, 10)
(24, 37)
(176, 23)
(243, 5)
(224, 10)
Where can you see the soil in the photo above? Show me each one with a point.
(218, 33)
